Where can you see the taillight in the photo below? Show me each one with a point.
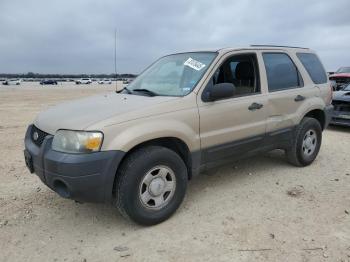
(330, 97)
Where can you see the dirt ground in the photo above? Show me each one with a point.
(259, 209)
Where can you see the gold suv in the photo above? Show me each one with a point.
(185, 113)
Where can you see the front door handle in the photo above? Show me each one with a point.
(299, 98)
(255, 106)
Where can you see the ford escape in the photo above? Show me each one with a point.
(185, 113)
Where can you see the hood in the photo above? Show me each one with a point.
(340, 75)
(82, 113)
(342, 96)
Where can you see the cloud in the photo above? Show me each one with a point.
(78, 36)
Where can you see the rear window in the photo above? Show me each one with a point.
(281, 72)
(314, 67)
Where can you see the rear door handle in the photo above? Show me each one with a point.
(299, 98)
(255, 106)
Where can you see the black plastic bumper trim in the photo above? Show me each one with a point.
(87, 177)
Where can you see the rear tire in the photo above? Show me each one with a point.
(306, 143)
(151, 184)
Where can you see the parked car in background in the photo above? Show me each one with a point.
(12, 82)
(341, 103)
(48, 82)
(83, 81)
(127, 81)
(105, 81)
(340, 78)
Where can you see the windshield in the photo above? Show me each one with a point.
(344, 70)
(346, 88)
(173, 75)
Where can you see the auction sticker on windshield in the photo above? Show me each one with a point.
(196, 65)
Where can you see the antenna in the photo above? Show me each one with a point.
(115, 58)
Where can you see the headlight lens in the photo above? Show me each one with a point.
(69, 141)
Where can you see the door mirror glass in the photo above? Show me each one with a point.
(219, 91)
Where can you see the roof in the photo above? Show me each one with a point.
(257, 47)
(250, 47)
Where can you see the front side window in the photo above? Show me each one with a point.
(242, 72)
(173, 75)
(281, 72)
(314, 67)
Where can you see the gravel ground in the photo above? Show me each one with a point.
(259, 209)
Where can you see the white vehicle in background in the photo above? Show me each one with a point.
(105, 81)
(83, 81)
(127, 81)
(11, 82)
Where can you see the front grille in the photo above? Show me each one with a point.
(37, 136)
(341, 120)
(341, 106)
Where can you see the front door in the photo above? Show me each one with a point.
(236, 125)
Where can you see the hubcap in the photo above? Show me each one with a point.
(157, 187)
(309, 142)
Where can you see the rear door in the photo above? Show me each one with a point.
(288, 93)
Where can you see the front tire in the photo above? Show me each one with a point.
(151, 185)
(306, 143)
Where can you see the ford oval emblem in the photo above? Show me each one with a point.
(35, 135)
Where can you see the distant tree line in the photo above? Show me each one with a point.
(65, 76)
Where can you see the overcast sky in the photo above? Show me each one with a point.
(77, 36)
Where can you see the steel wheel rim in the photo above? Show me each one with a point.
(309, 142)
(157, 187)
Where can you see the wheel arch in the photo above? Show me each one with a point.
(173, 143)
(319, 115)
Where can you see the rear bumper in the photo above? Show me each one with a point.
(82, 177)
(328, 115)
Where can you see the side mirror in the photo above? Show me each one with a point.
(218, 91)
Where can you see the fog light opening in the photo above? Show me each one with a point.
(61, 188)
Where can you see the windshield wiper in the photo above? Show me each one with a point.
(126, 89)
(146, 91)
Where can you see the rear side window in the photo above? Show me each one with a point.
(281, 72)
(314, 67)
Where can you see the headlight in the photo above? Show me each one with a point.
(77, 141)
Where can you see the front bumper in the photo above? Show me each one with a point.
(341, 118)
(82, 177)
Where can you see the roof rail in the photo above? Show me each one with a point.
(279, 46)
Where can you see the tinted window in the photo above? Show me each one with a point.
(314, 67)
(281, 72)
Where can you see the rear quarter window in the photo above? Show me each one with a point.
(314, 67)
